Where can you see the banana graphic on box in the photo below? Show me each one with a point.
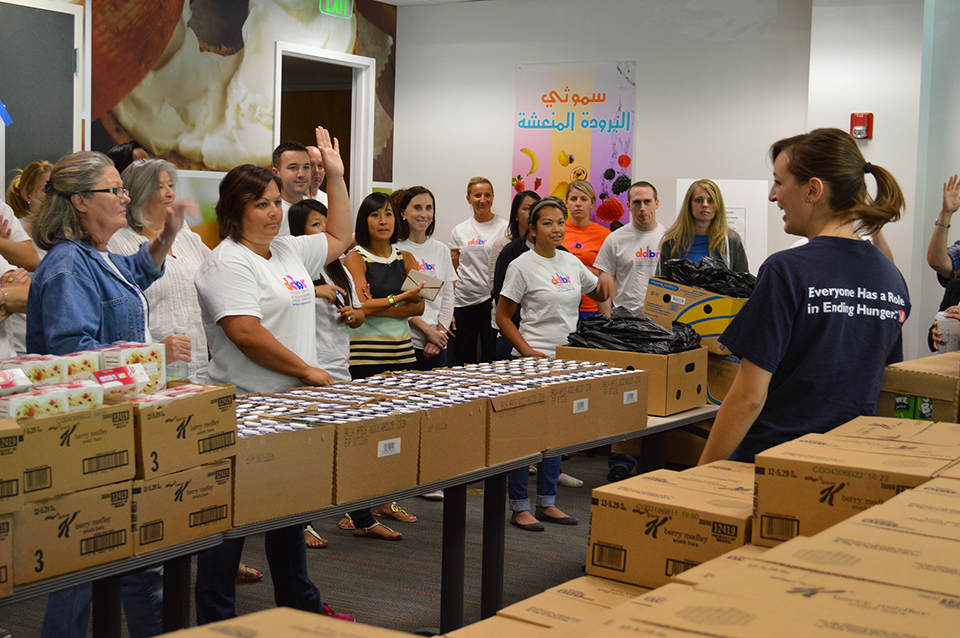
(533, 159)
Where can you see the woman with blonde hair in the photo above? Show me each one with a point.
(584, 237)
(701, 230)
(25, 193)
(825, 318)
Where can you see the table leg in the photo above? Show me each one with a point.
(494, 525)
(652, 453)
(454, 549)
(176, 593)
(105, 619)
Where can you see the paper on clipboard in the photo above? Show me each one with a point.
(431, 287)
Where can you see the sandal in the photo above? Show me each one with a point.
(313, 539)
(346, 522)
(395, 513)
(379, 532)
(246, 575)
(566, 480)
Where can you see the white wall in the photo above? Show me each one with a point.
(866, 55)
(939, 149)
(717, 82)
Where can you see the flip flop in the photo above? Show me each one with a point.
(246, 575)
(396, 513)
(313, 539)
(346, 522)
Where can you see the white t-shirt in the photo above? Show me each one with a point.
(473, 240)
(434, 259)
(173, 299)
(284, 230)
(16, 326)
(6, 333)
(631, 256)
(234, 281)
(333, 335)
(321, 197)
(548, 291)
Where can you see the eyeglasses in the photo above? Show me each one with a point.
(116, 190)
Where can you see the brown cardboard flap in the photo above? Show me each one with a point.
(518, 399)
(937, 377)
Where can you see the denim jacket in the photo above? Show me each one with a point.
(77, 302)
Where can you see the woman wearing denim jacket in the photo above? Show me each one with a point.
(83, 297)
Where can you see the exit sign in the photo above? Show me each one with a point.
(339, 8)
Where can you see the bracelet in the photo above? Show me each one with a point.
(392, 300)
(163, 241)
(941, 225)
(3, 302)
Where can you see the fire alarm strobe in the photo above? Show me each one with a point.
(861, 125)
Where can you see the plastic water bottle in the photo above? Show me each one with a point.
(178, 370)
(949, 333)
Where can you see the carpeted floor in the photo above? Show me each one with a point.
(397, 585)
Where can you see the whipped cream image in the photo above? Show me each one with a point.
(217, 110)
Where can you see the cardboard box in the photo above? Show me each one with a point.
(280, 474)
(706, 312)
(174, 434)
(283, 622)
(729, 478)
(182, 507)
(500, 627)
(811, 604)
(899, 429)
(806, 485)
(516, 425)
(644, 532)
(77, 450)
(709, 570)
(927, 388)
(376, 456)
(453, 440)
(11, 466)
(572, 602)
(677, 382)
(722, 369)
(869, 553)
(594, 408)
(931, 509)
(72, 532)
(6, 555)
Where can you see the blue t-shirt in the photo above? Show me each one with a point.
(698, 250)
(825, 319)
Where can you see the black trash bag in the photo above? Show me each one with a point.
(710, 274)
(632, 333)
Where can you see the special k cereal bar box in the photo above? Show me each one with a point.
(120, 384)
(40, 369)
(152, 356)
(33, 404)
(13, 381)
(79, 363)
(81, 395)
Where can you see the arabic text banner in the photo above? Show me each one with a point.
(576, 121)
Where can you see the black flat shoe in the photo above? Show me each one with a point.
(527, 527)
(559, 520)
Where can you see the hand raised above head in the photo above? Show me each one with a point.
(329, 152)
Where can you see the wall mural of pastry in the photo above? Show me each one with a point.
(192, 80)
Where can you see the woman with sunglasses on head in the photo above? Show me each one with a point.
(547, 283)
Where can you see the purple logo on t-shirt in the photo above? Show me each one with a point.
(425, 266)
(294, 284)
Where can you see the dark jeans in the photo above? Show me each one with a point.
(473, 326)
(286, 552)
(438, 360)
(625, 461)
(504, 349)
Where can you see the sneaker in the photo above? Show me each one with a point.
(617, 473)
(327, 611)
(433, 496)
(566, 480)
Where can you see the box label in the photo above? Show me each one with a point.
(629, 397)
(388, 447)
(581, 405)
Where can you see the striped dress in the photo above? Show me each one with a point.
(382, 341)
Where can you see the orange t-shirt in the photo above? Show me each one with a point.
(585, 242)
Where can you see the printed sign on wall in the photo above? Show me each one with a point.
(576, 121)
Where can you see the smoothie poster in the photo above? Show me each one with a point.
(576, 121)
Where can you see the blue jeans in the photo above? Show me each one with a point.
(625, 461)
(548, 472)
(438, 360)
(287, 556)
(68, 610)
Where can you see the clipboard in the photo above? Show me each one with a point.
(431, 287)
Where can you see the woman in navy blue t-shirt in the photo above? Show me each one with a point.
(825, 318)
